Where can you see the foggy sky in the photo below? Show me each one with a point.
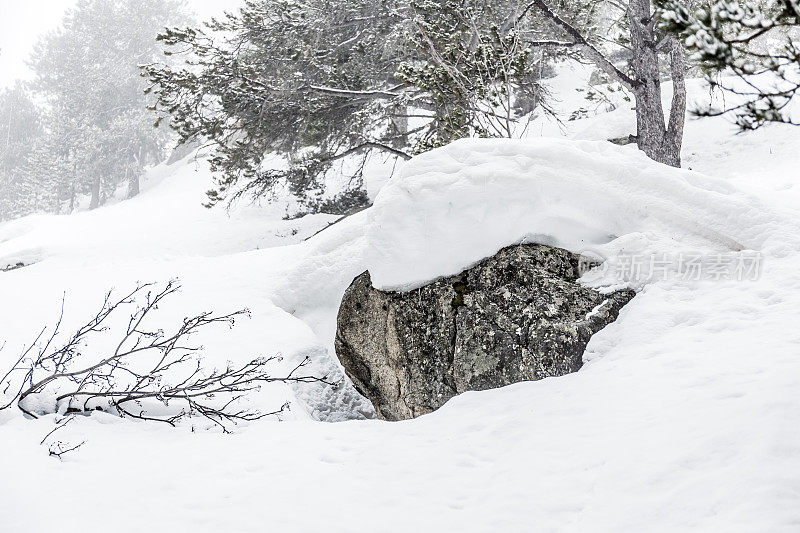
(23, 22)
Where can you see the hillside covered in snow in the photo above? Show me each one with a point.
(684, 417)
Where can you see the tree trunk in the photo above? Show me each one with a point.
(400, 127)
(95, 202)
(677, 112)
(133, 183)
(133, 175)
(73, 195)
(652, 134)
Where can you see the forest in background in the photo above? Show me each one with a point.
(285, 94)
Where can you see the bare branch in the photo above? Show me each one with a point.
(378, 93)
(563, 44)
(367, 146)
(147, 369)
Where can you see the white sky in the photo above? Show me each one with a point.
(22, 22)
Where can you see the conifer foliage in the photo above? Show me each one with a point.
(474, 66)
(316, 82)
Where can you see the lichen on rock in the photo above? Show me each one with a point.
(519, 315)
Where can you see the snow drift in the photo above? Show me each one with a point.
(452, 207)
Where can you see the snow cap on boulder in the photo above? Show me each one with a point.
(452, 207)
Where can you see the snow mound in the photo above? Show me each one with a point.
(454, 206)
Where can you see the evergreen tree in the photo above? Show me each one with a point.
(473, 64)
(20, 129)
(88, 74)
(20, 125)
(320, 80)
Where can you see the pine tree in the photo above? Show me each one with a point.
(97, 120)
(320, 81)
(473, 63)
(20, 128)
(308, 80)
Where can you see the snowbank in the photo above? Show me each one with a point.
(452, 207)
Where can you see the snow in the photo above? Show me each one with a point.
(476, 195)
(685, 416)
(165, 221)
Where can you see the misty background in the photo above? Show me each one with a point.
(23, 23)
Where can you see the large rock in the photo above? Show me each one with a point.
(519, 315)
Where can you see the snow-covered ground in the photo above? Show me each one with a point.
(685, 417)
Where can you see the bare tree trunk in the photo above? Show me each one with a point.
(677, 112)
(653, 136)
(133, 175)
(72, 192)
(95, 202)
(400, 127)
(133, 182)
